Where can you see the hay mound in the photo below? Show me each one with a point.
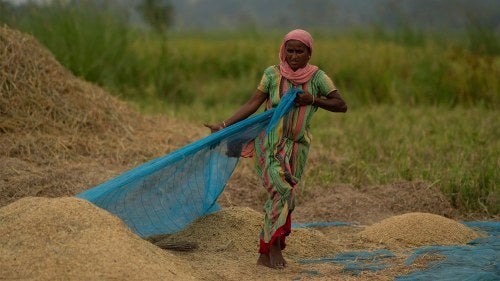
(61, 135)
(69, 238)
(418, 229)
(236, 229)
(53, 113)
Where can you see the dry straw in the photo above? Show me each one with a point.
(56, 114)
(53, 125)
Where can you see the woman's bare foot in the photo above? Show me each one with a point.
(263, 260)
(275, 259)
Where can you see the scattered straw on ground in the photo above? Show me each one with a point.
(418, 229)
(71, 239)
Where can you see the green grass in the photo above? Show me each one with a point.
(373, 68)
(455, 149)
(422, 107)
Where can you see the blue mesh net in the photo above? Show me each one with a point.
(358, 261)
(476, 261)
(320, 224)
(166, 194)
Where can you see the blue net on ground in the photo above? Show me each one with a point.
(357, 262)
(164, 195)
(478, 260)
(321, 224)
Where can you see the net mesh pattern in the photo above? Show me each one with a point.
(165, 194)
(477, 260)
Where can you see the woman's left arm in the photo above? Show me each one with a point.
(331, 102)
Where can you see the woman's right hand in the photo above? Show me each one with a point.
(243, 112)
(214, 128)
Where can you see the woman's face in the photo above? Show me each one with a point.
(297, 54)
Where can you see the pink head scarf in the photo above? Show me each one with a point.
(301, 75)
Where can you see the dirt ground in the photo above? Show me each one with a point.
(60, 135)
(343, 203)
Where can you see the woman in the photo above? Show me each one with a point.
(280, 156)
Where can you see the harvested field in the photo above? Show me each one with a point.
(60, 135)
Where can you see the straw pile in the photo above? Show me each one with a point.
(418, 229)
(60, 135)
(71, 239)
(53, 114)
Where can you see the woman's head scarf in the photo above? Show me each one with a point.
(301, 75)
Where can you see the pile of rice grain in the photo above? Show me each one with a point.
(418, 229)
(69, 238)
(230, 229)
(304, 243)
(236, 229)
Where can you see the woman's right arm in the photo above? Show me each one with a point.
(249, 108)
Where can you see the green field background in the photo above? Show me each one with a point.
(422, 106)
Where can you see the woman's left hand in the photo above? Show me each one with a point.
(304, 99)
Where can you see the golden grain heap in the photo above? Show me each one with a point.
(236, 229)
(71, 239)
(418, 229)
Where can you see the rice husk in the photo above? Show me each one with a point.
(418, 229)
(69, 238)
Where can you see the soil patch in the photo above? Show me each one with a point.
(344, 203)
